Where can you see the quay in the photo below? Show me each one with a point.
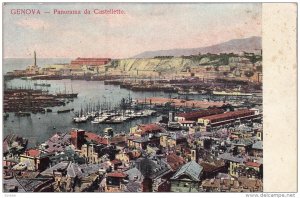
(180, 102)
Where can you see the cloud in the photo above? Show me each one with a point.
(34, 24)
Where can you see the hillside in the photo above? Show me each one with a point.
(169, 64)
(156, 64)
(237, 45)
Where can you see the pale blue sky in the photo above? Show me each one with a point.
(145, 26)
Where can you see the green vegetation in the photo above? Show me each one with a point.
(163, 57)
(253, 58)
(114, 63)
(214, 59)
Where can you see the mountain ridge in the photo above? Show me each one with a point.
(249, 44)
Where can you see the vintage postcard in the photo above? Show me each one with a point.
(136, 97)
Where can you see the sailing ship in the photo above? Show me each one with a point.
(81, 118)
(67, 95)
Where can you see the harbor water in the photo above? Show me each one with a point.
(38, 127)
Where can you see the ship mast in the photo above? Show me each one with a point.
(65, 88)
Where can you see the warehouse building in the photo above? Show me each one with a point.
(228, 118)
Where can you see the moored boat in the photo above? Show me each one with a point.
(98, 120)
(64, 110)
(66, 95)
(22, 114)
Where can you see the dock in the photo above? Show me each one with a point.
(181, 102)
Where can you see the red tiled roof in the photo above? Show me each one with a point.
(33, 153)
(207, 167)
(198, 114)
(117, 139)
(96, 138)
(149, 128)
(116, 161)
(187, 122)
(116, 174)
(92, 59)
(132, 138)
(253, 164)
(227, 115)
(175, 161)
(187, 150)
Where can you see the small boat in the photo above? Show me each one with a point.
(22, 114)
(65, 110)
(81, 119)
(138, 114)
(149, 112)
(91, 114)
(26, 78)
(42, 84)
(67, 95)
(114, 120)
(98, 120)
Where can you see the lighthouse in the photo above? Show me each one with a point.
(33, 69)
(34, 57)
